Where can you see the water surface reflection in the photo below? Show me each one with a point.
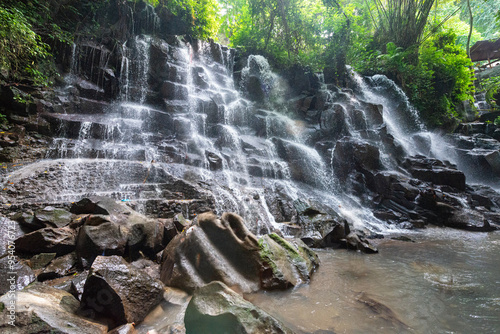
(447, 281)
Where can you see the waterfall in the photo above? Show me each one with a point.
(165, 125)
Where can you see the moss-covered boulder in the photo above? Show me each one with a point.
(285, 263)
(215, 308)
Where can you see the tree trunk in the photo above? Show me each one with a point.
(471, 24)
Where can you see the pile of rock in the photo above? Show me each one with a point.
(102, 265)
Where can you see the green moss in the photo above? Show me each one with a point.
(2, 307)
(285, 244)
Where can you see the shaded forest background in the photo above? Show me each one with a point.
(420, 44)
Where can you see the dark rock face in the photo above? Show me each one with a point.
(435, 171)
(437, 195)
(224, 250)
(468, 220)
(119, 291)
(48, 240)
(352, 155)
(52, 217)
(43, 309)
(212, 250)
(215, 308)
(115, 229)
(356, 242)
(316, 227)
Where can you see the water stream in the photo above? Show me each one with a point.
(445, 282)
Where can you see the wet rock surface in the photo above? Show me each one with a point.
(224, 250)
(215, 308)
(112, 228)
(43, 309)
(119, 291)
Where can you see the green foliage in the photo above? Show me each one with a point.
(440, 81)
(199, 15)
(497, 121)
(484, 12)
(451, 75)
(491, 87)
(20, 47)
(288, 31)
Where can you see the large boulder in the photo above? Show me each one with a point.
(119, 291)
(112, 228)
(52, 217)
(43, 309)
(215, 308)
(47, 240)
(24, 275)
(224, 250)
(285, 264)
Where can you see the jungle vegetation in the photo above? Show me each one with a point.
(421, 44)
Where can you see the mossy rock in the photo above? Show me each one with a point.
(215, 308)
(285, 263)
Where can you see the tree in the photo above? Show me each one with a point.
(401, 22)
(471, 24)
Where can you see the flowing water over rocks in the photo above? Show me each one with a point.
(173, 128)
(172, 132)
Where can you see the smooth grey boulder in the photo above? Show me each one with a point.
(214, 249)
(216, 309)
(119, 291)
(44, 309)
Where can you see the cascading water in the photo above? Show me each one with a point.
(149, 111)
(198, 126)
(404, 124)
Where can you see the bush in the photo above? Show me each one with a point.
(20, 47)
(441, 79)
(491, 87)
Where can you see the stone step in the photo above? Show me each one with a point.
(110, 126)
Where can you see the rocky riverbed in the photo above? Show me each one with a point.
(161, 170)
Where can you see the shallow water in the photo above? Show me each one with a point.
(447, 281)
